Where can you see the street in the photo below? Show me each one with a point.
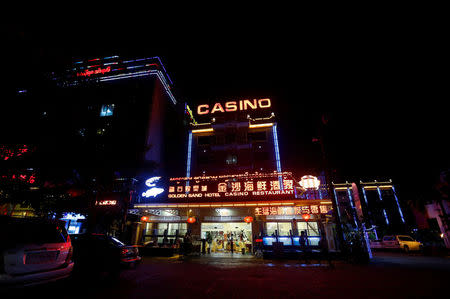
(390, 275)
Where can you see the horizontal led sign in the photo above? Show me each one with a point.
(88, 73)
(300, 210)
(229, 186)
(106, 202)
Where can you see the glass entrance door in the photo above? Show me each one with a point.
(225, 237)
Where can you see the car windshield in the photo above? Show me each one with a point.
(405, 238)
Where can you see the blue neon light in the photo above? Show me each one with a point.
(277, 150)
(384, 211)
(188, 163)
(385, 216)
(350, 197)
(277, 154)
(398, 204)
(337, 203)
(140, 74)
(365, 197)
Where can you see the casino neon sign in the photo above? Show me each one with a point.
(233, 106)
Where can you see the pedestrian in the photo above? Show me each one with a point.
(187, 244)
(303, 246)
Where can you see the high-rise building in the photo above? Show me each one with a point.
(100, 127)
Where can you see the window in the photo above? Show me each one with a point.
(107, 110)
(181, 227)
(283, 228)
(203, 140)
(311, 228)
(230, 138)
(257, 136)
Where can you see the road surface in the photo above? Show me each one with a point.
(390, 275)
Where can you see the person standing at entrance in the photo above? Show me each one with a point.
(303, 246)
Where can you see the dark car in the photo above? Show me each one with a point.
(98, 253)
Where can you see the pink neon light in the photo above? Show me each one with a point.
(88, 73)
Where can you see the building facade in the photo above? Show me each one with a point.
(103, 125)
(234, 190)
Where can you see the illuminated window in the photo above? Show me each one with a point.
(283, 228)
(311, 228)
(107, 110)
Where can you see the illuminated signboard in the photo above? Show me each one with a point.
(250, 186)
(88, 72)
(300, 210)
(106, 202)
(154, 190)
(310, 182)
(234, 106)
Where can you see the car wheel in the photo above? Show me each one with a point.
(406, 249)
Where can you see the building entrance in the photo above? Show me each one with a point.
(227, 237)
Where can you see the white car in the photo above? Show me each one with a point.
(33, 251)
(402, 242)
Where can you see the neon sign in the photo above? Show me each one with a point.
(310, 182)
(234, 106)
(153, 191)
(299, 210)
(88, 73)
(255, 185)
(106, 203)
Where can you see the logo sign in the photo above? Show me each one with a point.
(153, 190)
(310, 182)
(88, 73)
(234, 106)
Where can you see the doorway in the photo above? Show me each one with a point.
(225, 237)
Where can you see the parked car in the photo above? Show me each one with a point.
(33, 251)
(153, 249)
(99, 253)
(401, 242)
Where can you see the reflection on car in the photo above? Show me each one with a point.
(33, 251)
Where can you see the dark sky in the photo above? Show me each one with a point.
(382, 87)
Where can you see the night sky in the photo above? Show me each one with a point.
(381, 88)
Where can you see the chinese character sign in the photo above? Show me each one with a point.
(258, 186)
(299, 210)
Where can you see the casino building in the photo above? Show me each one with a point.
(234, 190)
